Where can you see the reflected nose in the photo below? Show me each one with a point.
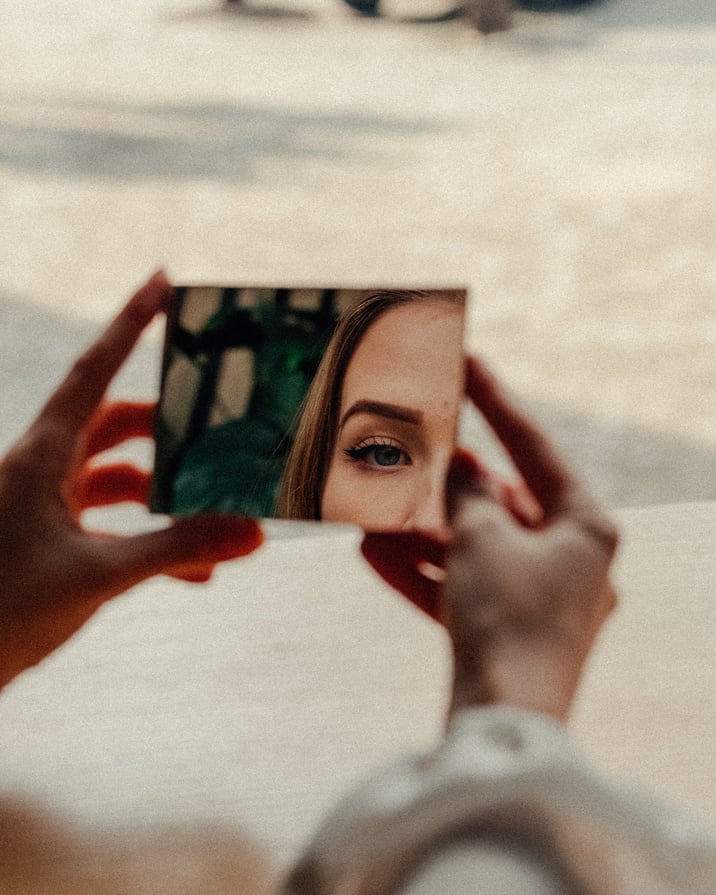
(429, 512)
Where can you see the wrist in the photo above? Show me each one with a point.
(540, 678)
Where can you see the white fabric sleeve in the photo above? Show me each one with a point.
(514, 777)
(474, 864)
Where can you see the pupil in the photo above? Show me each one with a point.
(386, 455)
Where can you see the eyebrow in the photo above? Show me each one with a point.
(380, 408)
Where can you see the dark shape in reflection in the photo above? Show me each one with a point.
(238, 363)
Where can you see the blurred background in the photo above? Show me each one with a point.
(564, 170)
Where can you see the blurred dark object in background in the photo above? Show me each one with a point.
(487, 16)
(364, 7)
(549, 5)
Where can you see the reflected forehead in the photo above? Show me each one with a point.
(409, 357)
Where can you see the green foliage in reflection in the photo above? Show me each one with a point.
(232, 468)
(237, 466)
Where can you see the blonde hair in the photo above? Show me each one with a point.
(301, 488)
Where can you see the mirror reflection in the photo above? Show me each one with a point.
(310, 404)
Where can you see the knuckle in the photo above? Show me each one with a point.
(476, 530)
(18, 464)
(34, 450)
(600, 528)
(611, 598)
(606, 532)
(468, 521)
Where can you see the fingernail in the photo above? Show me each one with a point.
(161, 278)
(156, 293)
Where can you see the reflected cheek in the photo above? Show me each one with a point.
(373, 501)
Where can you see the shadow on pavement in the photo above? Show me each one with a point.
(650, 13)
(586, 25)
(236, 10)
(66, 138)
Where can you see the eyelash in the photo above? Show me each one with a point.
(360, 452)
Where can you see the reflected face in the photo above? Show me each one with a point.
(397, 421)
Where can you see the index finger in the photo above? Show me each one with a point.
(72, 405)
(549, 478)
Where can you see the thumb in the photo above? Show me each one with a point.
(186, 547)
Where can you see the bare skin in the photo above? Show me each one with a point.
(54, 573)
(398, 415)
(525, 594)
(523, 599)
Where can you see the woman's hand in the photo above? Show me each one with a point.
(54, 574)
(525, 593)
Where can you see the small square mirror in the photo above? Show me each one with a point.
(333, 404)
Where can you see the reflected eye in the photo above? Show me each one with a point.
(385, 455)
(379, 454)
